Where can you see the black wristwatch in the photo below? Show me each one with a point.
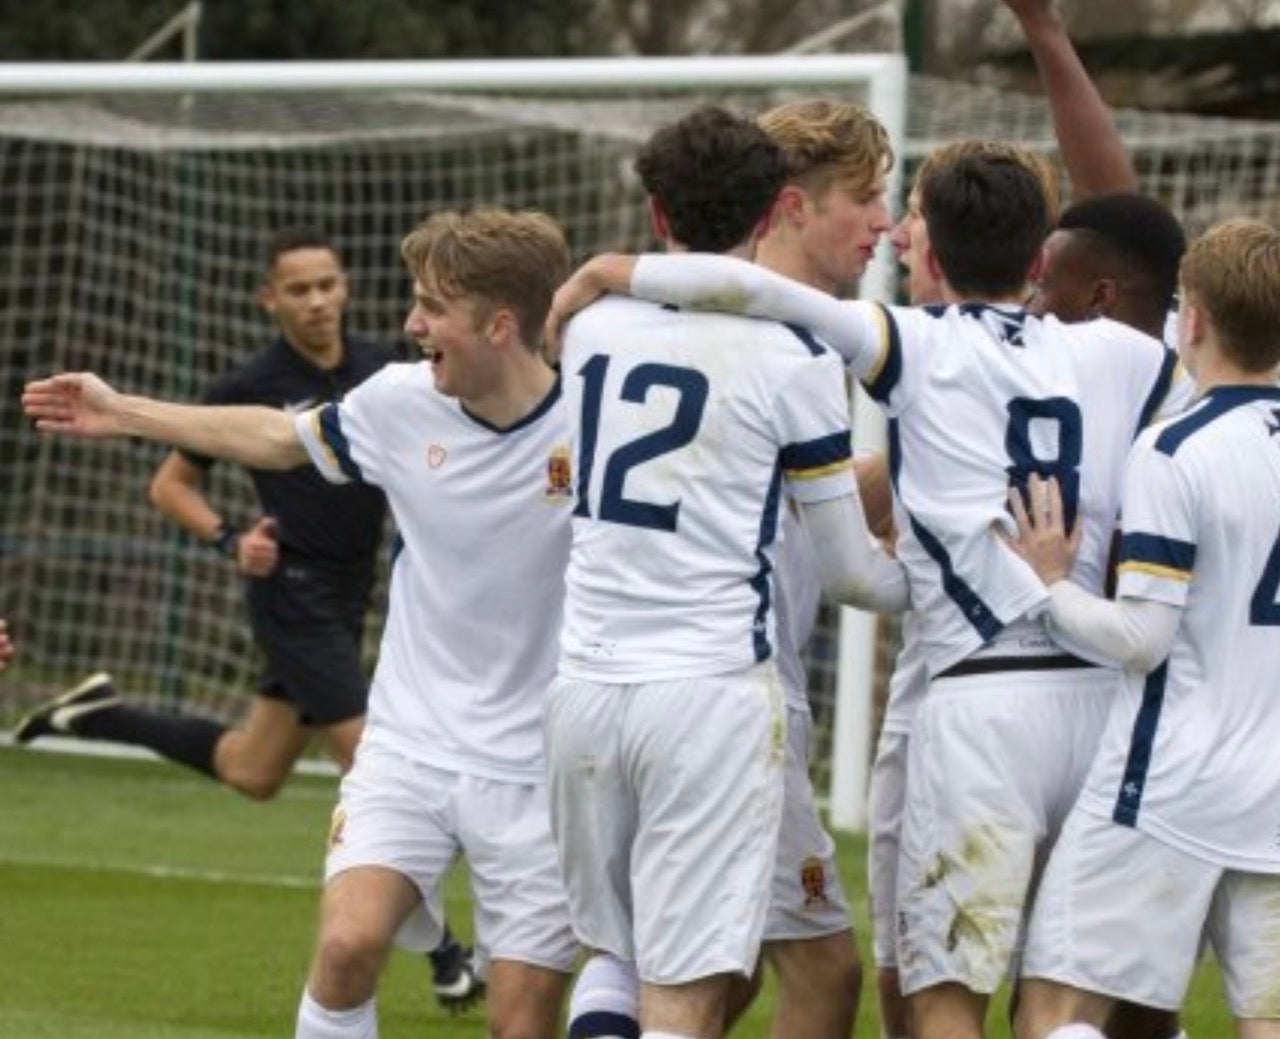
(226, 540)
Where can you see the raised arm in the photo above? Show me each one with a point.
(80, 404)
(1092, 151)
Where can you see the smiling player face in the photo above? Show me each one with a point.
(450, 333)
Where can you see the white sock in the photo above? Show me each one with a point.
(605, 1002)
(317, 1022)
(1180, 1035)
(1075, 1032)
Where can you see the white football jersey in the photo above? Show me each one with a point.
(1190, 754)
(476, 592)
(687, 430)
(978, 397)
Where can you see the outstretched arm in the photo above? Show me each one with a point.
(79, 404)
(1092, 151)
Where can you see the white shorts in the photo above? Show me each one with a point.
(885, 802)
(995, 762)
(414, 819)
(665, 800)
(805, 898)
(1122, 914)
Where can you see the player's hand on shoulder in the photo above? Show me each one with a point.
(1043, 540)
(72, 404)
(258, 548)
(609, 272)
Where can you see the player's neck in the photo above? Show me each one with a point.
(774, 254)
(1213, 370)
(521, 386)
(325, 356)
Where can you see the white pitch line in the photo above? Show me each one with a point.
(103, 749)
(202, 876)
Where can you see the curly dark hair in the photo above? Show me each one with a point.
(715, 174)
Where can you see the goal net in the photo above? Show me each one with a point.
(133, 237)
(134, 246)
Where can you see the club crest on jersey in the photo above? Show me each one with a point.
(813, 878)
(436, 454)
(559, 474)
(336, 825)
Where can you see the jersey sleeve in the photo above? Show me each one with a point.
(856, 330)
(813, 428)
(1158, 540)
(342, 437)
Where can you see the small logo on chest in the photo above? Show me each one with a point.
(559, 474)
(436, 454)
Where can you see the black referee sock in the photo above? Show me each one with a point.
(188, 741)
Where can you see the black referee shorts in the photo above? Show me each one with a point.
(309, 623)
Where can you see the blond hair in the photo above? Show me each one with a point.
(829, 142)
(501, 258)
(1032, 160)
(1232, 272)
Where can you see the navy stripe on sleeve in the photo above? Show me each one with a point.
(331, 430)
(891, 370)
(817, 454)
(1158, 551)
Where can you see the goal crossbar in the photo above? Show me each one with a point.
(541, 74)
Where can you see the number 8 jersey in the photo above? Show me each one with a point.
(687, 431)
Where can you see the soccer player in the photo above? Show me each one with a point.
(308, 561)
(470, 448)
(830, 215)
(1174, 834)
(1138, 293)
(979, 394)
(664, 726)
(1113, 255)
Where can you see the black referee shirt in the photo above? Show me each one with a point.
(319, 522)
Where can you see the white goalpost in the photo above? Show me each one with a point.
(145, 194)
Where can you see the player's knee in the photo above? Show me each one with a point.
(348, 958)
(255, 785)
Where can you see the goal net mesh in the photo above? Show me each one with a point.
(133, 236)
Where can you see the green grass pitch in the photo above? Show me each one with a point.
(138, 900)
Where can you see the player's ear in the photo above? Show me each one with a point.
(1038, 265)
(1106, 293)
(502, 327)
(792, 206)
(266, 297)
(932, 267)
(658, 221)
